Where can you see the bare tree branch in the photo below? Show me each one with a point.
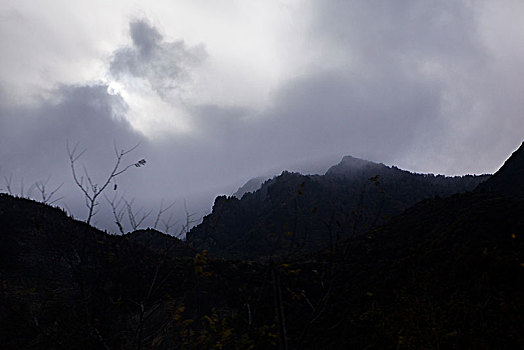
(46, 197)
(190, 220)
(91, 189)
(8, 181)
(161, 211)
(168, 224)
(134, 219)
(118, 211)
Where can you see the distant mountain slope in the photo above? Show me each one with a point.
(509, 180)
(251, 186)
(293, 212)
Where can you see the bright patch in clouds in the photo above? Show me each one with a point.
(248, 44)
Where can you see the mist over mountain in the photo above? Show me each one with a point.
(251, 186)
(312, 211)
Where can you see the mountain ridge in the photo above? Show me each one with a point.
(509, 180)
(307, 203)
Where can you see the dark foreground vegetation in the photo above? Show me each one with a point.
(447, 272)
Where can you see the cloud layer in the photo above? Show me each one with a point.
(164, 65)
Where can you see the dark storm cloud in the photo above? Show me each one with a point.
(84, 114)
(165, 65)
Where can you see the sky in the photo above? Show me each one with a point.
(217, 92)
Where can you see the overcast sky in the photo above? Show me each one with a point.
(217, 91)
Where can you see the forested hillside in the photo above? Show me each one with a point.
(296, 213)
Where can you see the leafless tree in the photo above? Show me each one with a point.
(168, 224)
(161, 212)
(89, 188)
(47, 197)
(8, 181)
(136, 218)
(190, 220)
(118, 210)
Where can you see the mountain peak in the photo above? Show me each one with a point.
(350, 165)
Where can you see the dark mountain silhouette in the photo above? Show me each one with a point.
(509, 180)
(63, 282)
(294, 212)
(161, 243)
(446, 273)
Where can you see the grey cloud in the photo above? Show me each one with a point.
(319, 115)
(33, 148)
(165, 65)
(383, 105)
(427, 76)
(332, 112)
(375, 106)
(145, 37)
(380, 29)
(85, 114)
(33, 138)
